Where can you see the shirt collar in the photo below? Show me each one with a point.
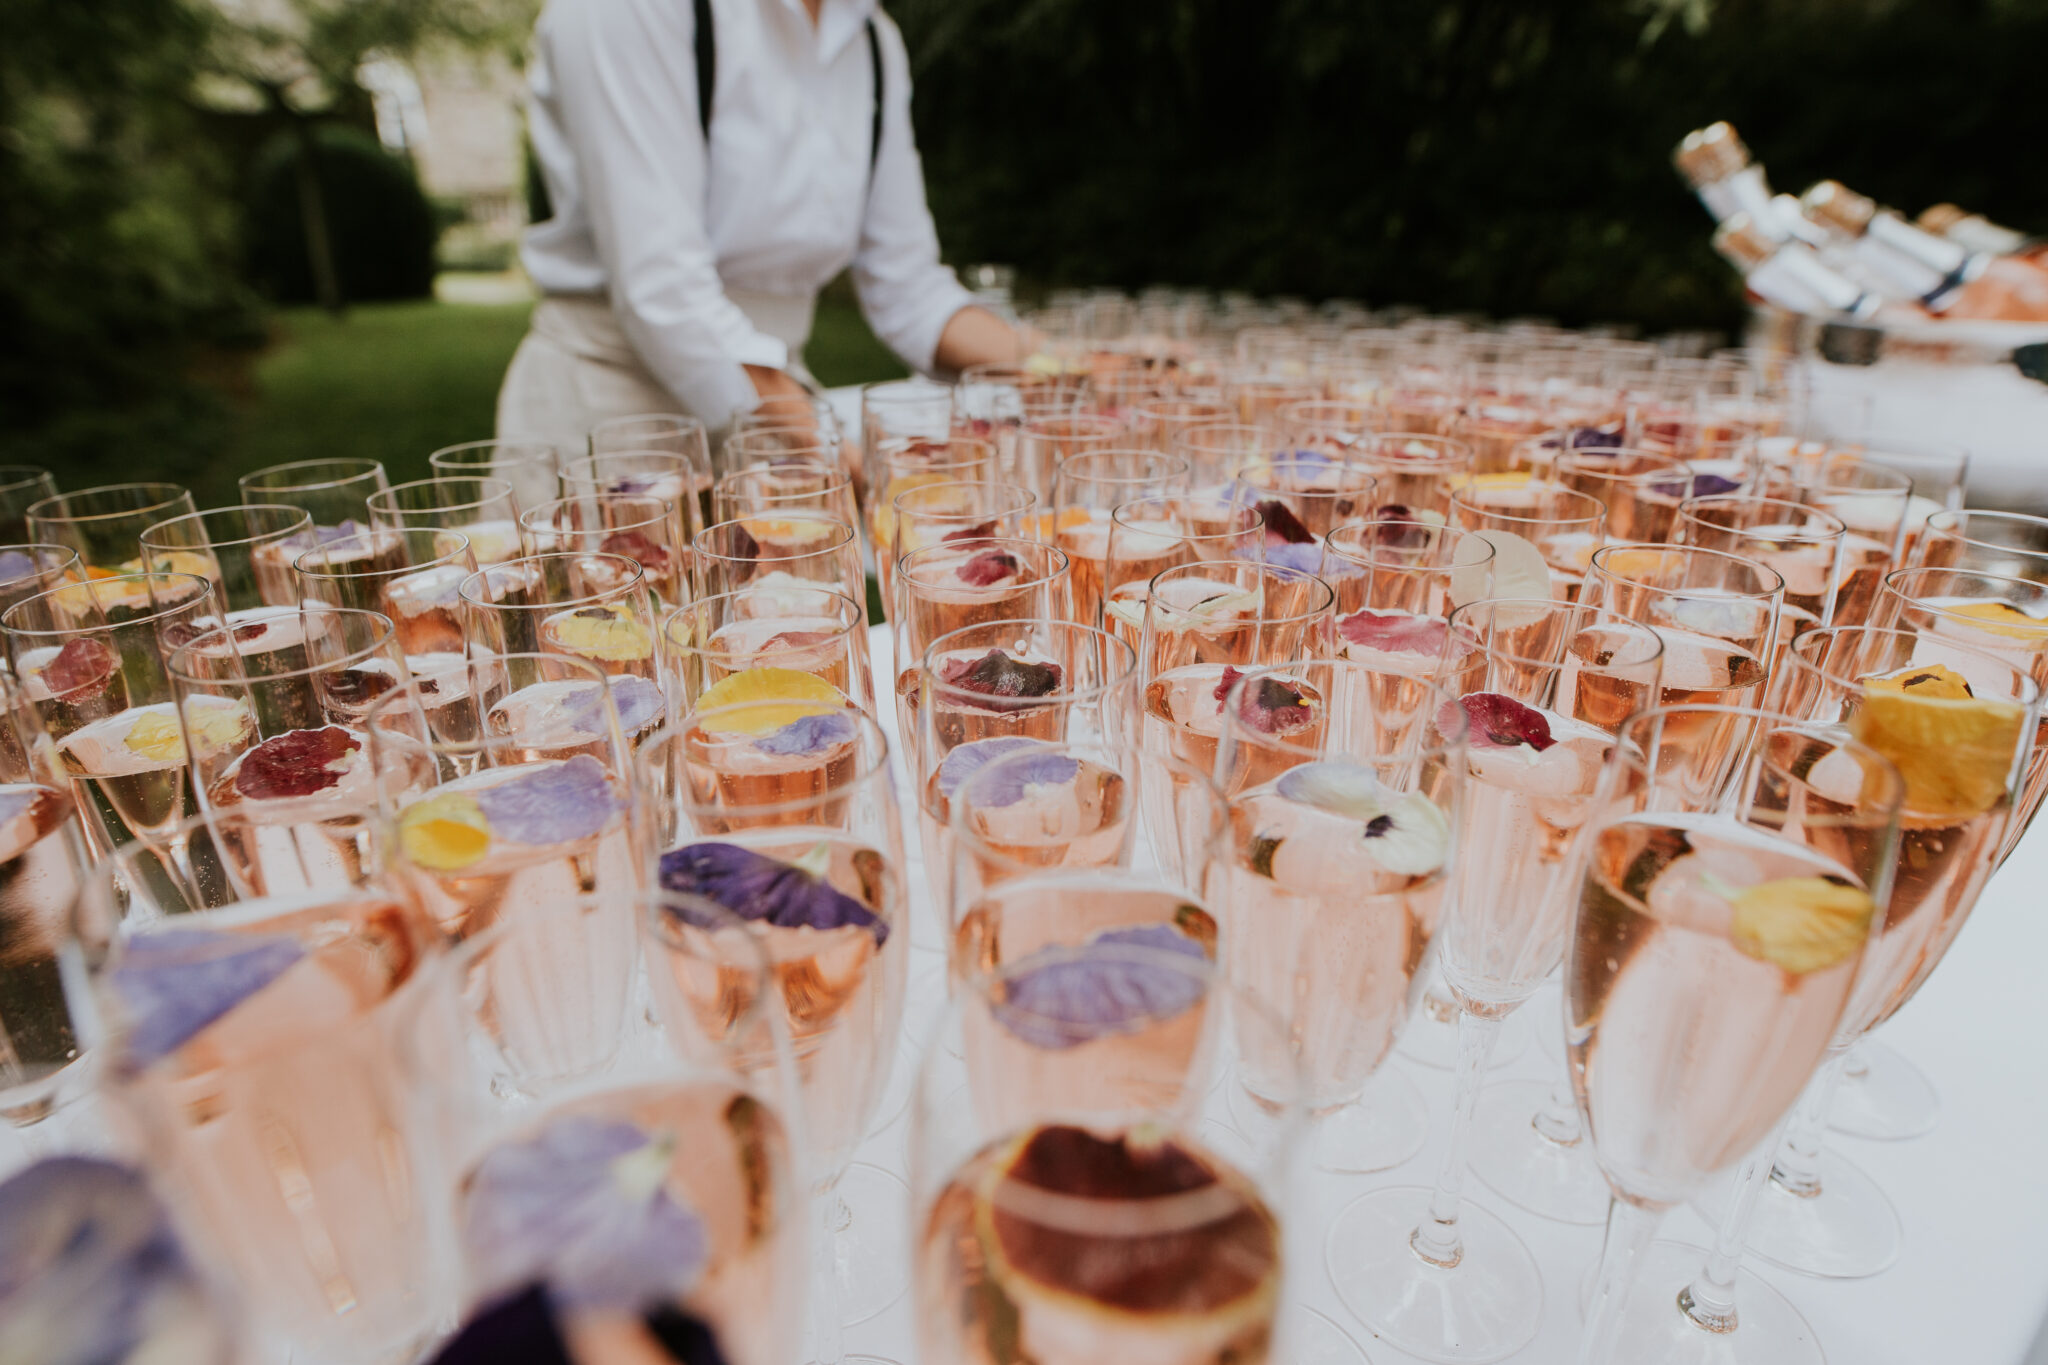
(839, 23)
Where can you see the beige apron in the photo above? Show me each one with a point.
(575, 367)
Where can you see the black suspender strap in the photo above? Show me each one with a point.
(875, 129)
(707, 65)
(707, 79)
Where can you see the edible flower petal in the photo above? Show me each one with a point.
(809, 735)
(2002, 618)
(1801, 924)
(444, 832)
(636, 700)
(1059, 997)
(157, 736)
(15, 566)
(583, 1205)
(638, 547)
(1272, 706)
(966, 760)
(173, 983)
(556, 804)
(1407, 834)
(1282, 526)
(755, 886)
(1955, 753)
(609, 633)
(989, 568)
(1499, 722)
(1011, 780)
(82, 665)
(997, 674)
(1395, 632)
(297, 763)
(771, 698)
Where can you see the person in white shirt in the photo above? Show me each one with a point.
(690, 237)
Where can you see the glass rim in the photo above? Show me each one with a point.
(844, 606)
(1865, 470)
(297, 514)
(1449, 449)
(1800, 656)
(1362, 555)
(34, 512)
(678, 421)
(1057, 561)
(388, 634)
(30, 473)
(1144, 453)
(819, 452)
(873, 765)
(1256, 520)
(893, 390)
(1066, 425)
(1604, 617)
(1867, 443)
(1550, 489)
(1063, 695)
(553, 506)
(504, 490)
(534, 447)
(1594, 564)
(584, 469)
(1956, 520)
(1235, 730)
(38, 551)
(256, 479)
(896, 503)
(2029, 589)
(1272, 460)
(1804, 509)
(1767, 722)
(368, 539)
(406, 694)
(1262, 570)
(481, 579)
(93, 585)
(699, 544)
(1263, 434)
(1157, 408)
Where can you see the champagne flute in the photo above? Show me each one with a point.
(1803, 545)
(1747, 906)
(1874, 502)
(1215, 451)
(1640, 488)
(247, 552)
(21, 486)
(1090, 1071)
(1544, 685)
(954, 510)
(716, 638)
(1335, 874)
(2008, 544)
(944, 588)
(486, 510)
(1157, 423)
(797, 552)
(317, 1028)
(1086, 488)
(335, 492)
(625, 450)
(1045, 443)
(629, 524)
(797, 787)
(1564, 525)
(532, 466)
(1148, 536)
(594, 607)
(103, 524)
(1397, 583)
(1416, 470)
(797, 485)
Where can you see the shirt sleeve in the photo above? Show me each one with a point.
(626, 81)
(907, 296)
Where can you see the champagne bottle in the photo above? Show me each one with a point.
(1963, 283)
(1790, 273)
(1975, 232)
(1726, 179)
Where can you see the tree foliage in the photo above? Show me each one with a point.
(1505, 156)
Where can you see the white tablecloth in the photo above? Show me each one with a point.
(1972, 1285)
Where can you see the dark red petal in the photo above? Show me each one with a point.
(1282, 526)
(796, 639)
(996, 674)
(1499, 722)
(988, 567)
(1269, 705)
(638, 548)
(1396, 632)
(80, 666)
(294, 764)
(979, 531)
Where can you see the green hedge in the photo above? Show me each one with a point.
(381, 225)
(1505, 156)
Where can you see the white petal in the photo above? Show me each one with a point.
(1419, 840)
(1347, 789)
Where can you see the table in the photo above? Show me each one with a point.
(1972, 1282)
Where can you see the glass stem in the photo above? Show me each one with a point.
(827, 1310)
(1436, 1238)
(1797, 1170)
(1629, 1230)
(1558, 1120)
(1710, 1299)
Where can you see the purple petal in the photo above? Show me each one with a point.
(91, 1270)
(1074, 996)
(327, 534)
(173, 983)
(15, 800)
(1713, 485)
(637, 701)
(1300, 558)
(1594, 438)
(555, 805)
(809, 734)
(14, 566)
(757, 887)
(519, 1330)
(967, 760)
(554, 1208)
(1010, 780)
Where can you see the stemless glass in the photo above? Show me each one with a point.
(1415, 471)
(335, 492)
(1335, 878)
(1151, 535)
(104, 524)
(315, 1025)
(796, 552)
(1397, 583)
(413, 576)
(1564, 525)
(532, 466)
(21, 486)
(1748, 905)
(90, 660)
(953, 510)
(1077, 1189)
(486, 510)
(594, 607)
(640, 528)
(1958, 723)
(712, 639)
(1086, 488)
(1544, 685)
(529, 862)
(1803, 545)
(797, 790)
(1640, 488)
(247, 553)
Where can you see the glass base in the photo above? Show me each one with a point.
(1888, 1100)
(1848, 1231)
(1434, 1042)
(1768, 1329)
(1486, 1307)
(1528, 1170)
(874, 1270)
(1383, 1128)
(1320, 1341)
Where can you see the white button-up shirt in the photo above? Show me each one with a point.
(782, 203)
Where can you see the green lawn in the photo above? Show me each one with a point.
(394, 382)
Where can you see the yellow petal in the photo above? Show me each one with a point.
(444, 832)
(1955, 753)
(2003, 618)
(1925, 680)
(156, 735)
(1801, 924)
(771, 698)
(608, 633)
